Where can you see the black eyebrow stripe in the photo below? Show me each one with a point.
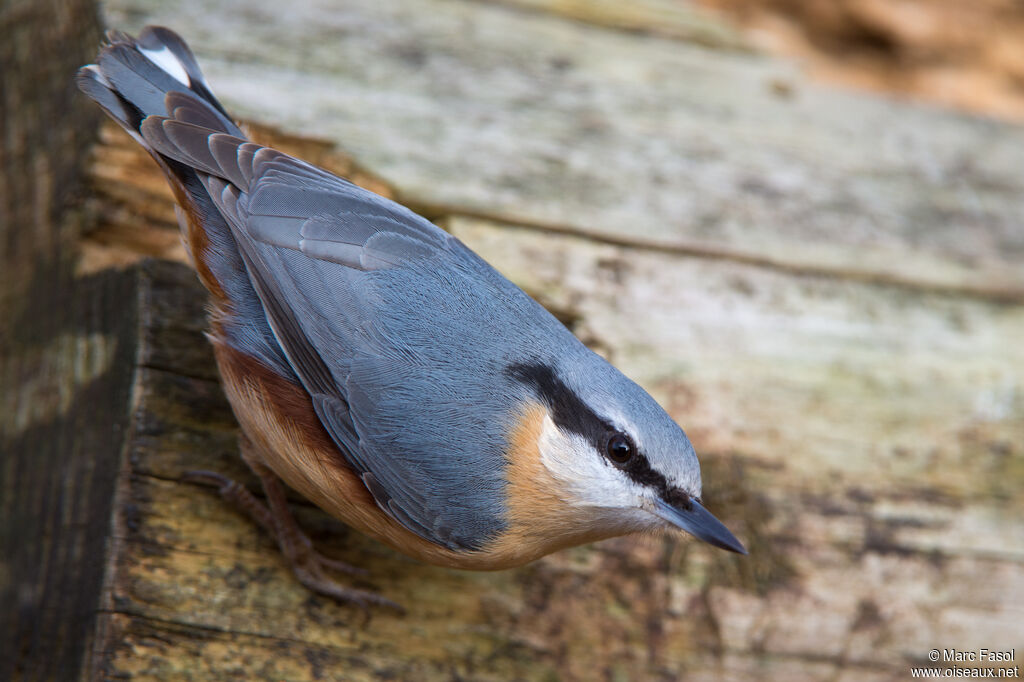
(573, 415)
(567, 410)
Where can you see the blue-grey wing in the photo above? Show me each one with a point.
(376, 310)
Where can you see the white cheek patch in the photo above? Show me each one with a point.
(168, 63)
(574, 463)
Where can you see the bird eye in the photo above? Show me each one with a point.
(620, 449)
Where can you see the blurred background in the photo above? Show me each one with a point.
(964, 55)
(799, 225)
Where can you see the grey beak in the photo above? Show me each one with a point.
(700, 523)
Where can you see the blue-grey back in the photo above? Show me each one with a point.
(402, 336)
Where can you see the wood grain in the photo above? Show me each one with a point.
(863, 439)
(824, 289)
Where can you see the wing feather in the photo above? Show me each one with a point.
(347, 280)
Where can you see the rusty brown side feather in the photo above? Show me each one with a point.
(197, 242)
(278, 417)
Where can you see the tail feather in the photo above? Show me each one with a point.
(92, 82)
(152, 86)
(166, 48)
(139, 74)
(136, 78)
(188, 108)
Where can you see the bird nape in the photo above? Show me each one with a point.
(380, 367)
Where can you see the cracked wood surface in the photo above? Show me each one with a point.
(844, 348)
(863, 439)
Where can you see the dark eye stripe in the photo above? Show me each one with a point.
(573, 415)
(567, 410)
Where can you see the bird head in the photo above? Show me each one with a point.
(617, 460)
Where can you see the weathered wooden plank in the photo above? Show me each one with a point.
(858, 409)
(66, 376)
(185, 565)
(65, 351)
(47, 133)
(850, 573)
(480, 108)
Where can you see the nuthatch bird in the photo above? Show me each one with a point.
(381, 368)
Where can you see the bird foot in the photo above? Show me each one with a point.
(307, 564)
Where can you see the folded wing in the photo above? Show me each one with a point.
(336, 268)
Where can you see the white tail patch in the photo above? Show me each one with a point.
(98, 75)
(168, 63)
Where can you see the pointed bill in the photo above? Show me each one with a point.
(700, 523)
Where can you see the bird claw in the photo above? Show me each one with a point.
(315, 580)
(204, 476)
(341, 566)
(307, 564)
